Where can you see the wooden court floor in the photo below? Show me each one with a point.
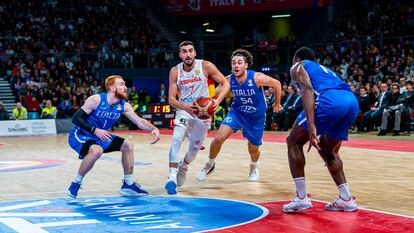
(380, 179)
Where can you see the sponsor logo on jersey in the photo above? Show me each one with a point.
(247, 109)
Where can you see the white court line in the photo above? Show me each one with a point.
(8, 214)
(20, 225)
(26, 205)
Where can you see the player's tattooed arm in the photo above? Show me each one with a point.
(212, 72)
(299, 74)
(264, 80)
(173, 92)
(141, 123)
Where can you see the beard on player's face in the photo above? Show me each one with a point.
(121, 94)
(189, 62)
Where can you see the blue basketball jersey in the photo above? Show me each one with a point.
(248, 98)
(336, 105)
(323, 78)
(105, 115)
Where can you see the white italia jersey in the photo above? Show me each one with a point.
(192, 85)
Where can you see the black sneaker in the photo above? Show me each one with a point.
(382, 133)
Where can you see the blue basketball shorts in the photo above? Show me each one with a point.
(253, 127)
(78, 138)
(335, 112)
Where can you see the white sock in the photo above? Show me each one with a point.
(211, 162)
(129, 179)
(173, 173)
(344, 191)
(300, 187)
(78, 179)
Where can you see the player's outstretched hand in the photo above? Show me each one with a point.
(313, 139)
(103, 134)
(156, 134)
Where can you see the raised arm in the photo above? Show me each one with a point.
(215, 74)
(264, 80)
(299, 74)
(141, 123)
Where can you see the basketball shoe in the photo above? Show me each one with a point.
(171, 185)
(254, 173)
(73, 189)
(132, 190)
(298, 204)
(205, 172)
(343, 205)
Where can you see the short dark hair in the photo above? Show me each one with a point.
(363, 88)
(184, 43)
(248, 57)
(305, 53)
(409, 82)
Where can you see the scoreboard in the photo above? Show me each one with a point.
(160, 115)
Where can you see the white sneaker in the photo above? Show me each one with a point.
(206, 171)
(298, 204)
(342, 205)
(254, 173)
(181, 175)
(171, 185)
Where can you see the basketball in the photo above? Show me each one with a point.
(204, 108)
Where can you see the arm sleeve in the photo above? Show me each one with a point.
(79, 120)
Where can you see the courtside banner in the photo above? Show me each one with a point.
(28, 127)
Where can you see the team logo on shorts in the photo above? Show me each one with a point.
(228, 119)
(125, 214)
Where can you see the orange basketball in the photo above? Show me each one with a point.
(204, 108)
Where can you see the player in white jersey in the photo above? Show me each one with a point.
(189, 80)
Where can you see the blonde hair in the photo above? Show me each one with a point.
(110, 80)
